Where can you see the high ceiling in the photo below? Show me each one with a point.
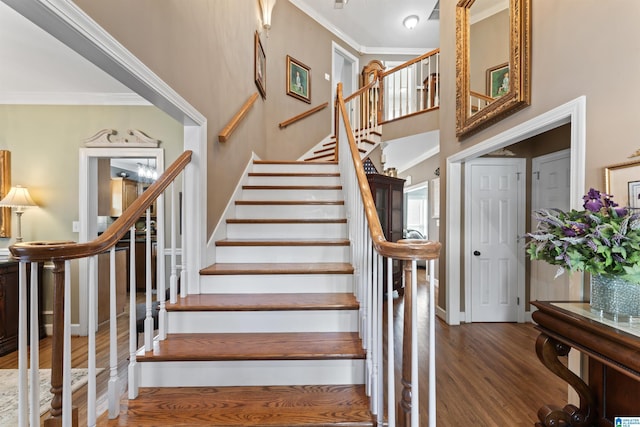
(375, 26)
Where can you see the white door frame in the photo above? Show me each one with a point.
(573, 112)
(520, 230)
(73, 27)
(337, 50)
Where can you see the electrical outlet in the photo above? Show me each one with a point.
(75, 226)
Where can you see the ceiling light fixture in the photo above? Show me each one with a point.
(411, 21)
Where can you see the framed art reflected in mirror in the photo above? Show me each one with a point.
(5, 186)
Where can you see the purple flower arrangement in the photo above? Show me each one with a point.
(602, 239)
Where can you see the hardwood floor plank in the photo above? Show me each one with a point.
(249, 406)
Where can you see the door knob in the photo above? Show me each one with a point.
(476, 253)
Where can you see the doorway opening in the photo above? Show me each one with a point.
(572, 113)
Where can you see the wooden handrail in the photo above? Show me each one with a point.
(59, 251)
(408, 63)
(407, 249)
(301, 116)
(235, 120)
(481, 96)
(362, 90)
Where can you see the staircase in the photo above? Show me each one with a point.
(273, 337)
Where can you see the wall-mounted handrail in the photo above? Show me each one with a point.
(301, 116)
(235, 120)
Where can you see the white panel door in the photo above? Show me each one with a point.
(494, 218)
(550, 189)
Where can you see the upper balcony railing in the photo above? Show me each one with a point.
(410, 88)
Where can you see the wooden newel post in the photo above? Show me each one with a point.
(404, 406)
(57, 350)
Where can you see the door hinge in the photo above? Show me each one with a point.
(537, 174)
(517, 300)
(518, 176)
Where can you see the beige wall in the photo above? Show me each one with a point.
(489, 48)
(568, 61)
(204, 50)
(44, 143)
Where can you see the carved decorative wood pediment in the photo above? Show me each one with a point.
(131, 138)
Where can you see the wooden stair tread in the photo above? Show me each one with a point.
(286, 162)
(325, 150)
(287, 242)
(292, 187)
(286, 221)
(297, 406)
(265, 302)
(296, 174)
(289, 202)
(320, 156)
(278, 268)
(255, 346)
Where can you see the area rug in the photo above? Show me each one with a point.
(9, 392)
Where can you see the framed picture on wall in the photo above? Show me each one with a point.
(260, 66)
(498, 80)
(298, 80)
(623, 183)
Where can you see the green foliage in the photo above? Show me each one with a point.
(602, 239)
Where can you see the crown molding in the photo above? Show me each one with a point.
(67, 98)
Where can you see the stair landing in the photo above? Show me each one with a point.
(308, 406)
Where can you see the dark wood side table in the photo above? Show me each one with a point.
(9, 305)
(612, 388)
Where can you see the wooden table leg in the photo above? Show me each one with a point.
(548, 351)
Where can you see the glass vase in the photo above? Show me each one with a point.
(615, 298)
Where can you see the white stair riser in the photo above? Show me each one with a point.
(251, 373)
(290, 211)
(285, 194)
(285, 231)
(263, 321)
(254, 254)
(298, 180)
(295, 168)
(276, 283)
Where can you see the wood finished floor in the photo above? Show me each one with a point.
(488, 375)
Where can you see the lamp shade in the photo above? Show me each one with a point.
(18, 197)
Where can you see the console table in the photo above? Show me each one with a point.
(613, 376)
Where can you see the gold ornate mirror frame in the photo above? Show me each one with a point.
(519, 93)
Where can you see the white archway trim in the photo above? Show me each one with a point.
(68, 23)
(573, 112)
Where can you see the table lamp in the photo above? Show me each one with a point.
(19, 198)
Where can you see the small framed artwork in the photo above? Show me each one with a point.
(298, 80)
(260, 66)
(498, 80)
(623, 183)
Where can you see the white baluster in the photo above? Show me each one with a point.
(113, 397)
(133, 330)
(415, 387)
(66, 358)
(23, 407)
(148, 320)
(391, 373)
(34, 401)
(432, 345)
(93, 308)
